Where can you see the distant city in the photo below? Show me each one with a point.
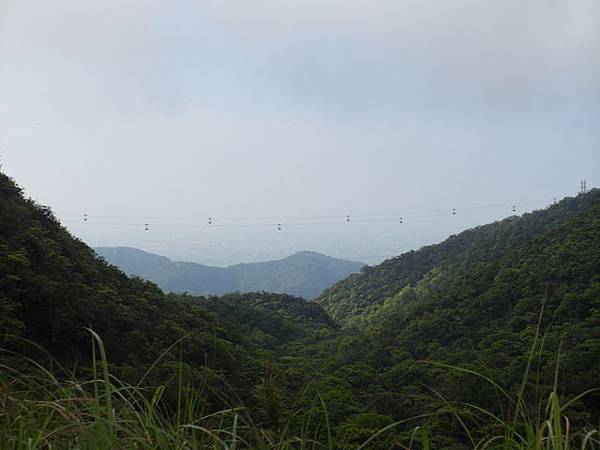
(370, 243)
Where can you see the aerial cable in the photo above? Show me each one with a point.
(354, 217)
(172, 222)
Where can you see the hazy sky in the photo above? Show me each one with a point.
(285, 108)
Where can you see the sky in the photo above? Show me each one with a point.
(300, 112)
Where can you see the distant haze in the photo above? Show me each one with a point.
(303, 274)
(167, 113)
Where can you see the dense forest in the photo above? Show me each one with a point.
(490, 339)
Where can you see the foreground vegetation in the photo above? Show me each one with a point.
(42, 411)
(490, 340)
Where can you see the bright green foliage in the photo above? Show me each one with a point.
(358, 294)
(52, 287)
(484, 341)
(477, 306)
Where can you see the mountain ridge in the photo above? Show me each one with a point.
(486, 300)
(362, 292)
(303, 274)
(496, 300)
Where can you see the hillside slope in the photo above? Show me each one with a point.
(499, 299)
(353, 297)
(478, 308)
(53, 288)
(303, 274)
(170, 276)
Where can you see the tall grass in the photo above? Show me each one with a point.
(39, 410)
(542, 425)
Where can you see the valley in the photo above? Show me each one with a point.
(453, 345)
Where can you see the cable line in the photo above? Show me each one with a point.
(279, 222)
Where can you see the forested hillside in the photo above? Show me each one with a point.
(350, 298)
(472, 343)
(53, 289)
(303, 274)
(481, 312)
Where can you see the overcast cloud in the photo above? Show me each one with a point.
(297, 108)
